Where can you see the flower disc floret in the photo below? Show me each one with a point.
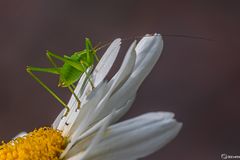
(44, 143)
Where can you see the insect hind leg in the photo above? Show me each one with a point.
(88, 76)
(30, 71)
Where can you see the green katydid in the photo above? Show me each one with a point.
(73, 68)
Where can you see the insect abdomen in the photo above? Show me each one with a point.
(69, 75)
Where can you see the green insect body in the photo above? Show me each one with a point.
(69, 74)
(71, 71)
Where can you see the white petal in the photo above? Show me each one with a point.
(151, 49)
(120, 77)
(125, 70)
(103, 66)
(152, 52)
(124, 84)
(122, 110)
(21, 134)
(72, 104)
(106, 62)
(81, 120)
(74, 153)
(123, 73)
(143, 46)
(100, 123)
(99, 74)
(136, 138)
(79, 90)
(58, 119)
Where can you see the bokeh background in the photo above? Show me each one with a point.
(198, 80)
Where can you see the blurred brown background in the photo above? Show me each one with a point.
(196, 79)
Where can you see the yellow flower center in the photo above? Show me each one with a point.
(41, 144)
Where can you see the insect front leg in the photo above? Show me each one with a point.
(76, 97)
(30, 71)
(88, 76)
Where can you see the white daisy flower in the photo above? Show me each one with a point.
(89, 133)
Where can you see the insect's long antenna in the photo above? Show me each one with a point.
(172, 35)
(164, 35)
(187, 36)
(103, 46)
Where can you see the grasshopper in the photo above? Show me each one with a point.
(70, 72)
